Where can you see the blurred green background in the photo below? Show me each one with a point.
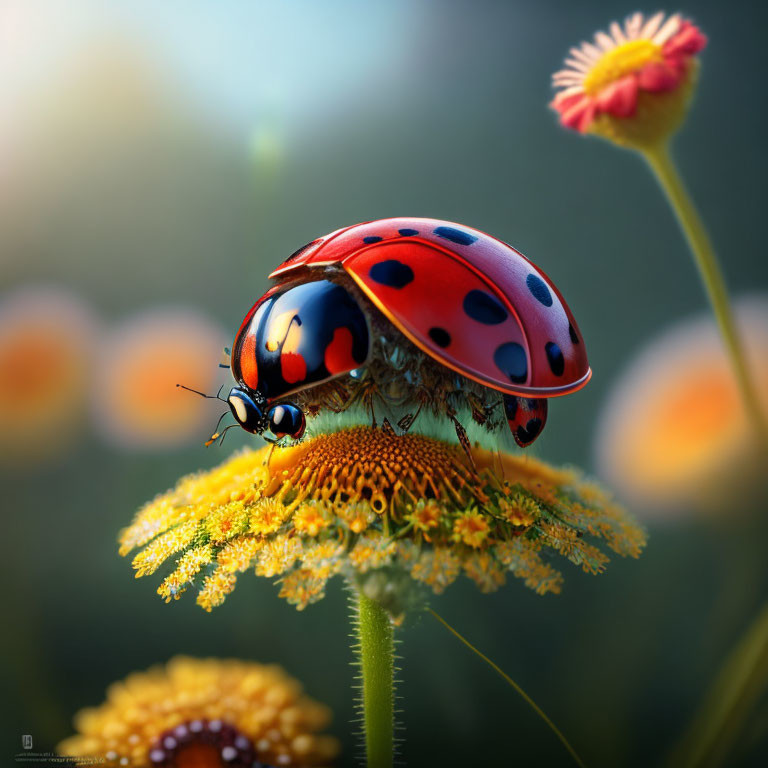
(173, 153)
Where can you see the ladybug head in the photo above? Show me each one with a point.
(247, 407)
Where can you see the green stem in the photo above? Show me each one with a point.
(661, 163)
(528, 700)
(377, 664)
(739, 686)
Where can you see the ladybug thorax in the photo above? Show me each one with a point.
(298, 335)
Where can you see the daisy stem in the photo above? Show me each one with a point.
(663, 166)
(528, 700)
(377, 665)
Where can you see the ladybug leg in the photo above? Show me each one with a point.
(387, 428)
(407, 421)
(479, 414)
(461, 433)
(269, 453)
(526, 416)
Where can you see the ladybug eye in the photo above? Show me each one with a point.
(287, 419)
(244, 409)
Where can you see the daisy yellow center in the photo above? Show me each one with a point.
(364, 464)
(619, 62)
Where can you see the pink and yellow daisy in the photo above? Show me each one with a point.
(633, 83)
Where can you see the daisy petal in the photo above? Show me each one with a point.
(671, 27)
(604, 41)
(579, 55)
(658, 76)
(687, 42)
(633, 25)
(577, 65)
(652, 26)
(619, 98)
(618, 35)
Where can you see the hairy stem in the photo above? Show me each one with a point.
(377, 664)
(661, 163)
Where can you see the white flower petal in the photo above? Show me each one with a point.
(566, 75)
(577, 65)
(633, 25)
(592, 50)
(617, 34)
(574, 89)
(578, 54)
(668, 30)
(652, 26)
(604, 41)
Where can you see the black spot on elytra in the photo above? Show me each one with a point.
(511, 361)
(408, 232)
(484, 307)
(555, 358)
(372, 239)
(455, 235)
(572, 334)
(510, 406)
(440, 336)
(391, 272)
(539, 289)
(527, 434)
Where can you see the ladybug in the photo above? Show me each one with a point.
(470, 302)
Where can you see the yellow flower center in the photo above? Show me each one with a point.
(620, 61)
(362, 499)
(364, 464)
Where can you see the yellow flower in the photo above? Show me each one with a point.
(485, 571)
(521, 510)
(188, 566)
(204, 713)
(426, 516)
(310, 519)
(437, 567)
(472, 528)
(357, 516)
(634, 83)
(362, 499)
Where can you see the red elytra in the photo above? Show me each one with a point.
(470, 301)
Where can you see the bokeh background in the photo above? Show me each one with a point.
(161, 158)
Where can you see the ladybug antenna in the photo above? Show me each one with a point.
(217, 396)
(216, 433)
(224, 433)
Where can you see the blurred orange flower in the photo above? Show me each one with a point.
(674, 433)
(136, 401)
(47, 338)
